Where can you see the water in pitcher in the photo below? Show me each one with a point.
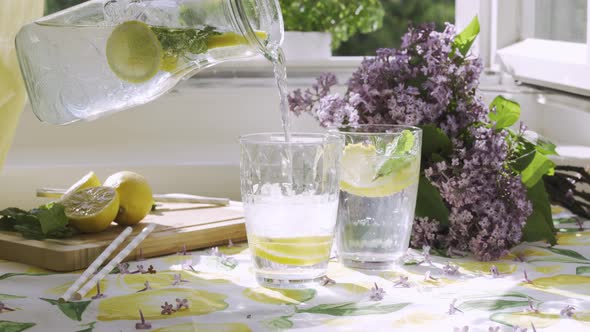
(106, 56)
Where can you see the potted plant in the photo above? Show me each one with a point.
(314, 28)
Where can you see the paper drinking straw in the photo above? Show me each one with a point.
(96, 264)
(115, 261)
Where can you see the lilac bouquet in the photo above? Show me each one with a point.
(480, 188)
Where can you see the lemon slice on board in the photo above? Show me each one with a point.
(359, 173)
(93, 209)
(231, 39)
(134, 52)
(87, 181)
(301, 251)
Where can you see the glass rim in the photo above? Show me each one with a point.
(320, 138)
(341, 130)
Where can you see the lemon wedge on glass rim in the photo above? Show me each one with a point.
(91, 210)
(359, 167)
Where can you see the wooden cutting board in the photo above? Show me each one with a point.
(192, 225)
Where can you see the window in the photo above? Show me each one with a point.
(540, 42)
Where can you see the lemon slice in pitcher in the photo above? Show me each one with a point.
(231, 39)
(359, 173)
(301, 251)
(93, 209)
(134, 52)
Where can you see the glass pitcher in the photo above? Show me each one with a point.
(105, 56)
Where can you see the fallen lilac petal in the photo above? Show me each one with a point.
(143, 325)
(402, 282)
(450, 269)
(377, 293)
(494, 271)
(327, 281)
(568, 311)
(453, 309)
(167, 309)
(181, 303)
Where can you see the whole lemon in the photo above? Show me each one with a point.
(135, 196)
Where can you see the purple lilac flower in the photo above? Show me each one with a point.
(426, 81)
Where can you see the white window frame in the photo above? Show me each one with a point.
(506, 44)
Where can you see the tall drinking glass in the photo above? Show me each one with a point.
(290, 194)
(378, 187)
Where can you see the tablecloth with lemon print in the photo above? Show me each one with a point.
(214, 290)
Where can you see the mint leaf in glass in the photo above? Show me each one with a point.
(398, 154)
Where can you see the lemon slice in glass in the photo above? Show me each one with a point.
(359, 168)
(134, 52)
(301, 251)
(231, 39)
(93, 209)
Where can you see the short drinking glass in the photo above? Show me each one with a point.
(378, 187)
(290, 194)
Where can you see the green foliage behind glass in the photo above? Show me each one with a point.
(343, 19)
(52, 6)
(398, 14)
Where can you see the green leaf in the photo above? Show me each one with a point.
(539, 166)
(492, 305)
(7, 326)
(539, 225)
(281, 323)
(430, 204)
(354, 309)
(566, 252)
(73, 310)
(52, 218)
(8, 297)
(504, 112)
(9, 275)
(398, 154)
(434, 141)
(465, 39)
(545, 147)
(582, 269)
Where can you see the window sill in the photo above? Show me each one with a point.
(553, 64)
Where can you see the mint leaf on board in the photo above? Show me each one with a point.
(504, 112)
(430, 204)
(539, 225)
(47, 221)
(539, 166)
(52, 218)
(464, 40)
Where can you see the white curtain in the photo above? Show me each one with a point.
(13, 14)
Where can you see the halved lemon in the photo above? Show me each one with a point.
(231, 39)
(135, 194)
(93, 209)
(359, 169)
(87, 181)
(300, 251)
(134, 52)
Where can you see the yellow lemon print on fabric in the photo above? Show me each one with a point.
(548, 269)
(176, 259)
(59, 290)
(564, 284)
(555, 209)
(352, 288)
(582, 316)
(191, 327)
(279, 296)
(126, 307)
(338, 271)
(235, 249)
(484, 267)
(135, 282)
(531, 252)
(417, 318)
(574, 239)
(540, 320)
(37, 270)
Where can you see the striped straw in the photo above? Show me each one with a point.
(96, 264)
(114, 262)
